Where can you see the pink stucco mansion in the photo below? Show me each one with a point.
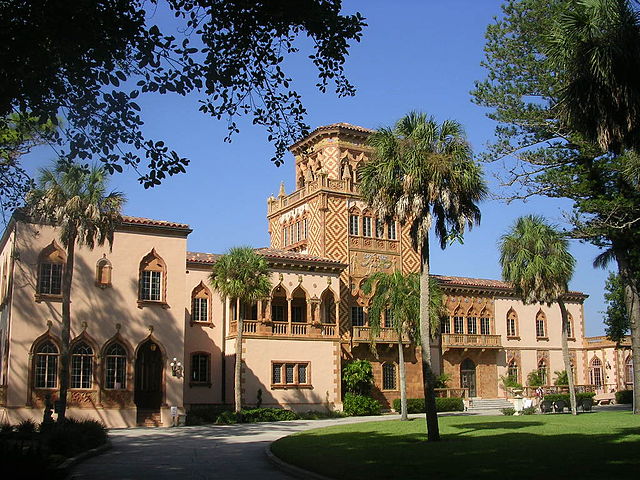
(147, 301)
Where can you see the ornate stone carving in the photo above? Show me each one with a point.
(82, 398)
(117, 398)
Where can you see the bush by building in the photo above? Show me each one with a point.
(624, 396)
(416, 405)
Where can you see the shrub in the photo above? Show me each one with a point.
(267, 415)
(416, 405)
(534, 379)
(358, 377)
(27, 426)
(624, 396)
(318, 415)
(529, 410)
(508, 411)
(75, 436)
(554, 397)
(442, 380)
(6, 428)
(561, 378)
(201, 414)
(360, 405)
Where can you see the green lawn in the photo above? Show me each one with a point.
(592, 445)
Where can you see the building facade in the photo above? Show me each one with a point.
(149, 333)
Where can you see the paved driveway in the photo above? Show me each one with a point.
(204, 452)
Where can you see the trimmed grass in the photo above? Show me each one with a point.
(593, 445)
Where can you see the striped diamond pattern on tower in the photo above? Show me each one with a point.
(410, 258)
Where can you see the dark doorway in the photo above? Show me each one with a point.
(148, 392)
(468, 376)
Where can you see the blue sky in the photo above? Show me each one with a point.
(414, 55)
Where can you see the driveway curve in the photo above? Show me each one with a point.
(199, 452)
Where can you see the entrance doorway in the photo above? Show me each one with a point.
(468, 376)
(148, 391)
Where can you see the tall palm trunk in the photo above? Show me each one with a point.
(403, 379)
(237, 381)
(429, 379)
(67, 280)
(566, 357)
(632, 302)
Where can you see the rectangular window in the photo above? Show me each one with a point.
(391, 230)
(199, 310)
(291, 238)
(151, 284)
(285, 236)
(485, 326)
(472, 325)
(298, 231)
(50, 281)
(200, 368)
(353, 224)
(81, 371)
(388, 376)
(458, 324)
(569, 329)
(379, 228)
(357, 316)
(366, 226)
(290, 374)
(46, 371)
(388, 318)
(305, 230)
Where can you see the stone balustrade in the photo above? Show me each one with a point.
(466, 340)
(255, 328)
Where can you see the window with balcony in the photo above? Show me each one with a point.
(388, 318)
(445, 325)
(472, 323)
(458, 324)
(290, 374)
(389, 376)
(357, 316)
(485, 326)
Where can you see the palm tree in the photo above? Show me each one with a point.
(422, 173)
(595, 44)
(74, 198)
(240, 274)
(397, 297)
(535, 258)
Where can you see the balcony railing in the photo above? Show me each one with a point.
(321, 183)
(284, 329)
(553, 389)
(467, 340)
(385, 335)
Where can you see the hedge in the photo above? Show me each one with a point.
(554, 397)
(416, 405)
(624, 396)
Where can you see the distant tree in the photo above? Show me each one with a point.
(87, 62)
(422, 173)
(241, 274)
(535, 258)
(396, 298)
(74, 199)
(616, 318)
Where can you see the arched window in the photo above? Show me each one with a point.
(512, 370)
(103, 273)
(391, 230)
(569, 326)
(298, 306)
(628, 371)
(595, 372)
(485, 322)
(81, 366)
(50, 268)
(541, 327)
(328, 303)
(512, 323)
(389, 376)
(543, 371)
(367, 224)
(200, 304)
(46, 366)
(153, 273)
(115, 367)
(354, 221)
(201, 368)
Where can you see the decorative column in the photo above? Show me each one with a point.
(289, 299)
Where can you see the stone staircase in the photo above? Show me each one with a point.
(148, 418)
(477, 404)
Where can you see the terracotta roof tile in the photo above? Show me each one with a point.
(199, 257)
(154, 223)
(349, 126)
(445, 280)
